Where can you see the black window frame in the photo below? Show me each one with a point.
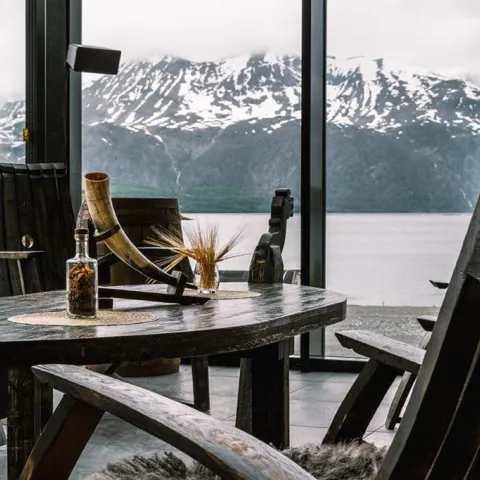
(55, 122)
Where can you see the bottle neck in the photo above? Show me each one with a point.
(81, 247)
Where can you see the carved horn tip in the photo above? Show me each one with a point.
(96, 176)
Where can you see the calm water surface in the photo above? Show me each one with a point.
(375, 259)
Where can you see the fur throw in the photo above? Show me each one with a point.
(347, 461)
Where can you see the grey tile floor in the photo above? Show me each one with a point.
(314, 398)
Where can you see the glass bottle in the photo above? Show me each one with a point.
(82, 280)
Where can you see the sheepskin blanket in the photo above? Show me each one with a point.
(347, 461)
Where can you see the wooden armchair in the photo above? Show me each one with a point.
(439, 436)
(35, 216)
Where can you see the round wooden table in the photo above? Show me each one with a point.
(260, 327)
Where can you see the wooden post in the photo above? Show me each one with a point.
(266, 373)
(20, 426)
(201, 390)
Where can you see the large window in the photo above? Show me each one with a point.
(403, 165)
(12, 80)
(205, 108)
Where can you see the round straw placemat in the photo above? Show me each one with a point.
(226, 294)
(104, 317)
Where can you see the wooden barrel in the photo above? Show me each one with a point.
(136, 216)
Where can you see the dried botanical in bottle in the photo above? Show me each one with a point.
(82, 280)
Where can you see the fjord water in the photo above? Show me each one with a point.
(375, 259)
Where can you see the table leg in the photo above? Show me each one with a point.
(20, 420)
(263, 403)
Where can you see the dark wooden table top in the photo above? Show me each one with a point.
(219, 326)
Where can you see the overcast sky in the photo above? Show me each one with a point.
(440, 35)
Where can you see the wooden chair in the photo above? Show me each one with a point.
(35, 216)
(266, 266)
(439, 437)
(441, 422)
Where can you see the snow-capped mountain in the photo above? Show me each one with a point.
(176, 93)
(182, 126)
(376, 95)
(12, 121)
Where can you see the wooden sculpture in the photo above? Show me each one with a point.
(104, 219)
(266, 265)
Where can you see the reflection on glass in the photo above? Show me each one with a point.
(12, 81)
(403, 116)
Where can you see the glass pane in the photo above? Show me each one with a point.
(205, 108)
(12, 81)
(403, 156)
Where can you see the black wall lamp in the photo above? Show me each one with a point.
(88, 59)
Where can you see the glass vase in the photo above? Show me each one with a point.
(207, 277)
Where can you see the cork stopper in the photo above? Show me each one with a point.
(81, 234)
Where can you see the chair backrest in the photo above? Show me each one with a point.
(35, 214)
(439, 436)
(266, 265)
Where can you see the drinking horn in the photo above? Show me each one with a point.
(99, 203)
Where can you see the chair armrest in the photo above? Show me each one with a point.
(227, 451)
(427, 322)
(388, 351)
(292, 277)
(19, 255)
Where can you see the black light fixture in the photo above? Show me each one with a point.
(88, 59)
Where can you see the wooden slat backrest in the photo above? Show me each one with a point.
(36, 203)
(67, 217)
(26, 222)
(5, 289)
(51, 242)
(452, 353)
(10, 216)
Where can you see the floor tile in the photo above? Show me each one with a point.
(304, 435)
(312, 414)
(378, 420)
(310, 376)
(342, 377)
(322, 392)
(380, 439)
(226, 372)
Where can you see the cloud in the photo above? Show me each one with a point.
(440, 35)
(195, 29)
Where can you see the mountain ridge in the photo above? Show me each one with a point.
(397, 138)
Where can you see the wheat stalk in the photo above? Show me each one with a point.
(203, 247)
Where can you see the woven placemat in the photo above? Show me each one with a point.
(226, 294)
(104, 317)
